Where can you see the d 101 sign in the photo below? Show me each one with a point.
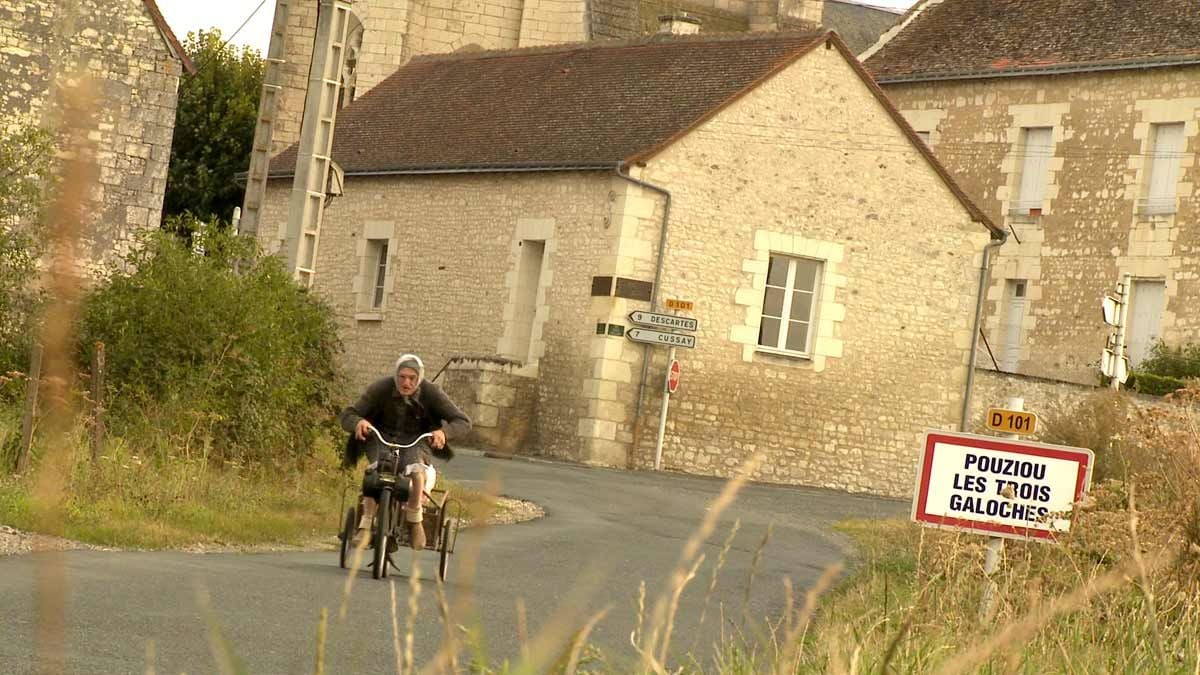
(999, 487)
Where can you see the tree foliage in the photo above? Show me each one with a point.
(25, 156)
(214, 128)
(243, 362)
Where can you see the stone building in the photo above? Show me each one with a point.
(387, 33)
(1074, 124)
(502, 214)
(135, 61)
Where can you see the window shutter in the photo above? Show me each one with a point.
(1035, 167)
(1164, 169)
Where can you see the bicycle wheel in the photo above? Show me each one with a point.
(347, 537)
(444, 551)
(383, 528)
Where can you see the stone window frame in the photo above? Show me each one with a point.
(364, 278)
(537, 229)
(830, 313)
(926, 122)
(1154, 112)
(1026, 116)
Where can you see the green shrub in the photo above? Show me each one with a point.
(1097, 423)
(1155, 385)
(1180, 362)
(25, 153)
(237, 366)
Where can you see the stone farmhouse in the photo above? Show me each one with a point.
(387, 33)
(136, 62)
(502, 213)
(1074, 124)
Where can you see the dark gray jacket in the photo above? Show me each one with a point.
(402, 421)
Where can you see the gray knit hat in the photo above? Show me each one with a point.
(410, 361)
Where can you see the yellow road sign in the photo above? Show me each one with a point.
(680, 305)
(1011, 421)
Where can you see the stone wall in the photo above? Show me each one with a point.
(1089, 231)
(499, 399)
(454, 248)
(784, 171)
(42, 45)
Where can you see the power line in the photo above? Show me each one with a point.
(239, 28)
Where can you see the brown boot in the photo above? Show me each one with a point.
(363, 534)
(416, 531)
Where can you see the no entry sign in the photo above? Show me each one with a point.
(1005, 488)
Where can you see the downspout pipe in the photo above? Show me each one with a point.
(658, 271)
(998, 239)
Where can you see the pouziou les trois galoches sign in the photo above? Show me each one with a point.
(999, 487)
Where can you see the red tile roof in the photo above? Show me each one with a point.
(169, 36)
(952, 39)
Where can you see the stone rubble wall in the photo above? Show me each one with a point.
(43, 46)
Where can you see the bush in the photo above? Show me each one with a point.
(1095, 423)
(241, 365)
(25, 153)
(1155, 385)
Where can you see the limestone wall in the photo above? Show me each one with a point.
(783, 171)
(1090, 231)
(454, 247)
(43, 45)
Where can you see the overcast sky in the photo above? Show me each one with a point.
(189, 15)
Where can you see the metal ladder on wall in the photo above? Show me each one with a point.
(268, 105)
(314, 159)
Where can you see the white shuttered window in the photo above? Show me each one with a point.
(1037, 148)
(1164, 169)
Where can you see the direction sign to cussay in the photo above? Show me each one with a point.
(659, 337)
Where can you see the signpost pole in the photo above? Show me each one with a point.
(1123, 318)
(995, 545)
(662, 416)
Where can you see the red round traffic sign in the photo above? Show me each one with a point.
(673, 376)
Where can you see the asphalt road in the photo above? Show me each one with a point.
(604, 532)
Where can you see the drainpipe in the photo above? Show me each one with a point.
(658, 269)
(998, 240)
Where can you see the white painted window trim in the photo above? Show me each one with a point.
(785, 320)
(830, 313)
(1163, 166)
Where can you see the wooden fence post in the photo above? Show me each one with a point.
(97, 402)
(31, 401)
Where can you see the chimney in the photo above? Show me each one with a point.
(678, 23)
(811, 11)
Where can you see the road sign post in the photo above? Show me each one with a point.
(662, 415)
(660, 332)
(1002, 488)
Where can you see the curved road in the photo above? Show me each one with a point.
(604, 532)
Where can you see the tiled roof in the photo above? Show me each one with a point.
(169, 36)
(858, 25)
(575, 105)
(946, 39)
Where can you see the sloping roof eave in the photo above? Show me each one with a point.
(168, 35)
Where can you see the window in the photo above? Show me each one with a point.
(377, 260)
(1015, 304)
(1145, 317)
(790, 304)
(1167, 144)
(1037, 147)
(529, 279)
(924, 136)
